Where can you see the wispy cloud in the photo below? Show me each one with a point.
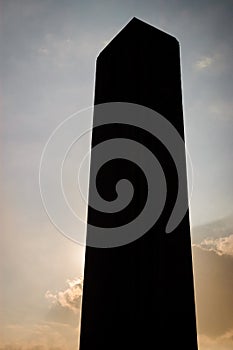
(217, 62)
(222, 110)
(223, 342)
(43, 51)
(30, 347)
(204, 62)
(59, 51)
(213, 293)
(40, 336)
(65, 50)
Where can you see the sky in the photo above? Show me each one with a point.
(47, 66)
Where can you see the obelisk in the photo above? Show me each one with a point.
(140, 295)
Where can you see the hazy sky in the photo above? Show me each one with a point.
(48, 52)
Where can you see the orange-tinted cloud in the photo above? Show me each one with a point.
(40, 336)
(70, 298)
(221, 246)
(213, 291)
(223, 342)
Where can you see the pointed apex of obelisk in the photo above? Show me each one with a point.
(145, 26)
(139, 31)
(135, 19)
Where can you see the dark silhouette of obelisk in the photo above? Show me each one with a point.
(141, 295)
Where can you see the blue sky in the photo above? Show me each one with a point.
(48, 52)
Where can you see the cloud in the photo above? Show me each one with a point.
(217, 62)
(24, 347)
(204, 62)
(70, 298)
(66, 51)
(221, 246)
(43, 51)
(223, 342)
(40, 336)
(59, 51)
(213, 293)
(223, 110)
(60, 328)
(215, 229)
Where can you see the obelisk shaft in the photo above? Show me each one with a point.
(140, 295)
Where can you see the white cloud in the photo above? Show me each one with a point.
(221, 246)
